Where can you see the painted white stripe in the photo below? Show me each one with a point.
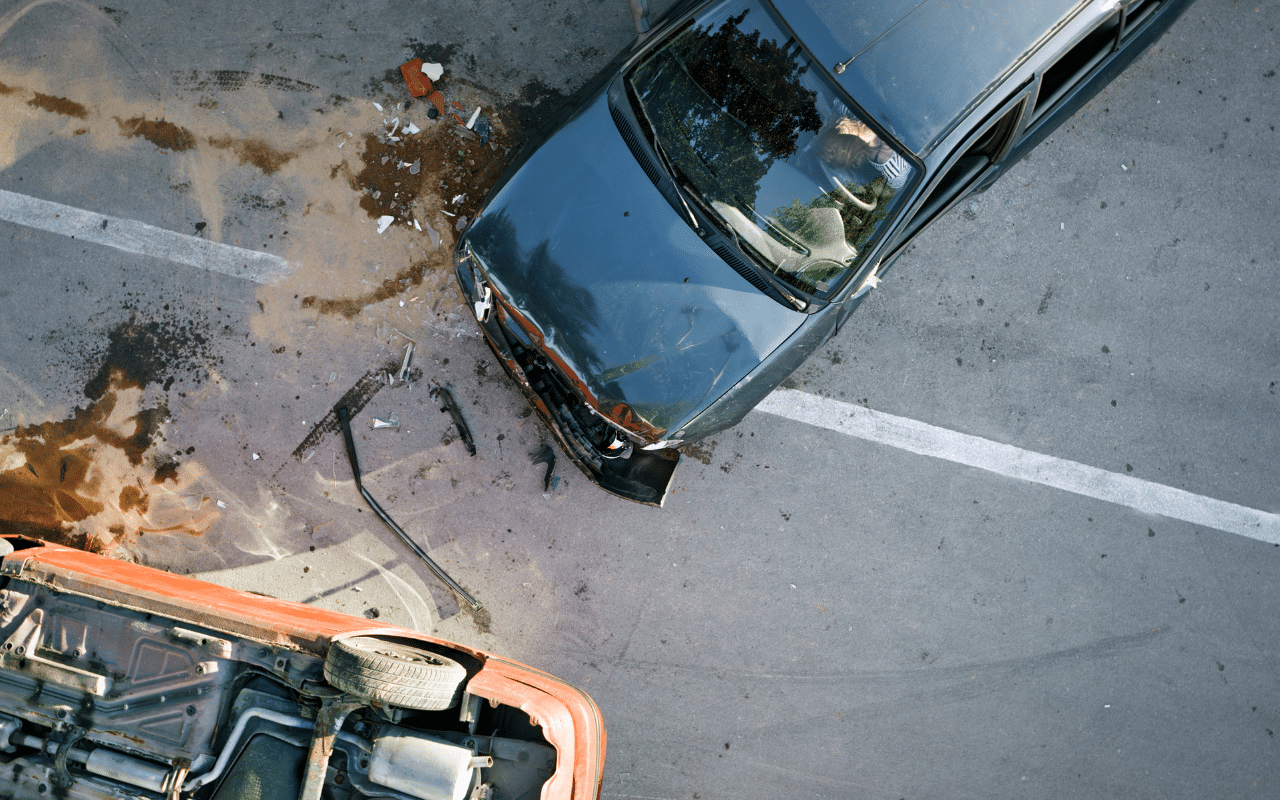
(137, 237)
(1014, 462)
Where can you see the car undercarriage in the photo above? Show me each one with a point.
(102, 698)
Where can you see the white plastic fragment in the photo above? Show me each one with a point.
(377, 106)
(408, 360)
(416, 225)
(411, 129)
(1062, 226)
(221, 504)
(432, 71)
(475, 115)
(256, 456)
(458, 198)
(385, 222)
(395, 123)
(1124, 167)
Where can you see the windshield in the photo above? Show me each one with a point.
(762, 143)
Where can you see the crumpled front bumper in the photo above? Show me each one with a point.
(643, 476)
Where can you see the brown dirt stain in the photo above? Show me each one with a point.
(53, 488)
(255, 152)
(350, 307)
(453, 164)
(82, 481)
(161, 133)
(131, 497)
(57, 105)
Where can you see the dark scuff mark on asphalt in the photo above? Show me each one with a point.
(1044, 301)
(356, 398)
(143, 353)
(231, 80)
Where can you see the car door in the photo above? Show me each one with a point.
(1083, 66)
(980, 155)
(979, 158)
(1071, 76)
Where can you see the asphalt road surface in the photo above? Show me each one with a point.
(1013, 533)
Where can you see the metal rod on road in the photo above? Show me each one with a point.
(344, 417)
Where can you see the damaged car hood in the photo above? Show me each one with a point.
(620, 288)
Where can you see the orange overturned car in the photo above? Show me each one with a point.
(122, 681)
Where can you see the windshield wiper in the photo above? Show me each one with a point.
(675, 179)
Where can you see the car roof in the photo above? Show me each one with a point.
(917, 65)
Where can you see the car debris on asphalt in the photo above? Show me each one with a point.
(547, 455)
(451, 407)
(344, 419)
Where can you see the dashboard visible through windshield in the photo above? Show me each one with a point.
(760, 140)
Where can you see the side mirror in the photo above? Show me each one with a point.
(640, 15)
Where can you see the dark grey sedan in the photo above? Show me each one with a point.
(729, 190)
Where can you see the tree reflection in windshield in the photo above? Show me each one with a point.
(734, 99)
(742, 120)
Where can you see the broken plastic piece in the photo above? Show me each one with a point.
(436, 99)
(390, 422)
(417, 83)
(546, 456)
(408, 360)
(475, 115)
(451, 406)
(411, 129)
(433, 71)
(375, 105)
(256, 456)
(435, 237)
(384, 223)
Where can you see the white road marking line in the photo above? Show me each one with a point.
(1014, 462)
(138, 237)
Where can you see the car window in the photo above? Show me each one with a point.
(964, 173)
(1080, 60)
(758, 137)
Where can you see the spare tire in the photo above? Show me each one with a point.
(394, 673)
